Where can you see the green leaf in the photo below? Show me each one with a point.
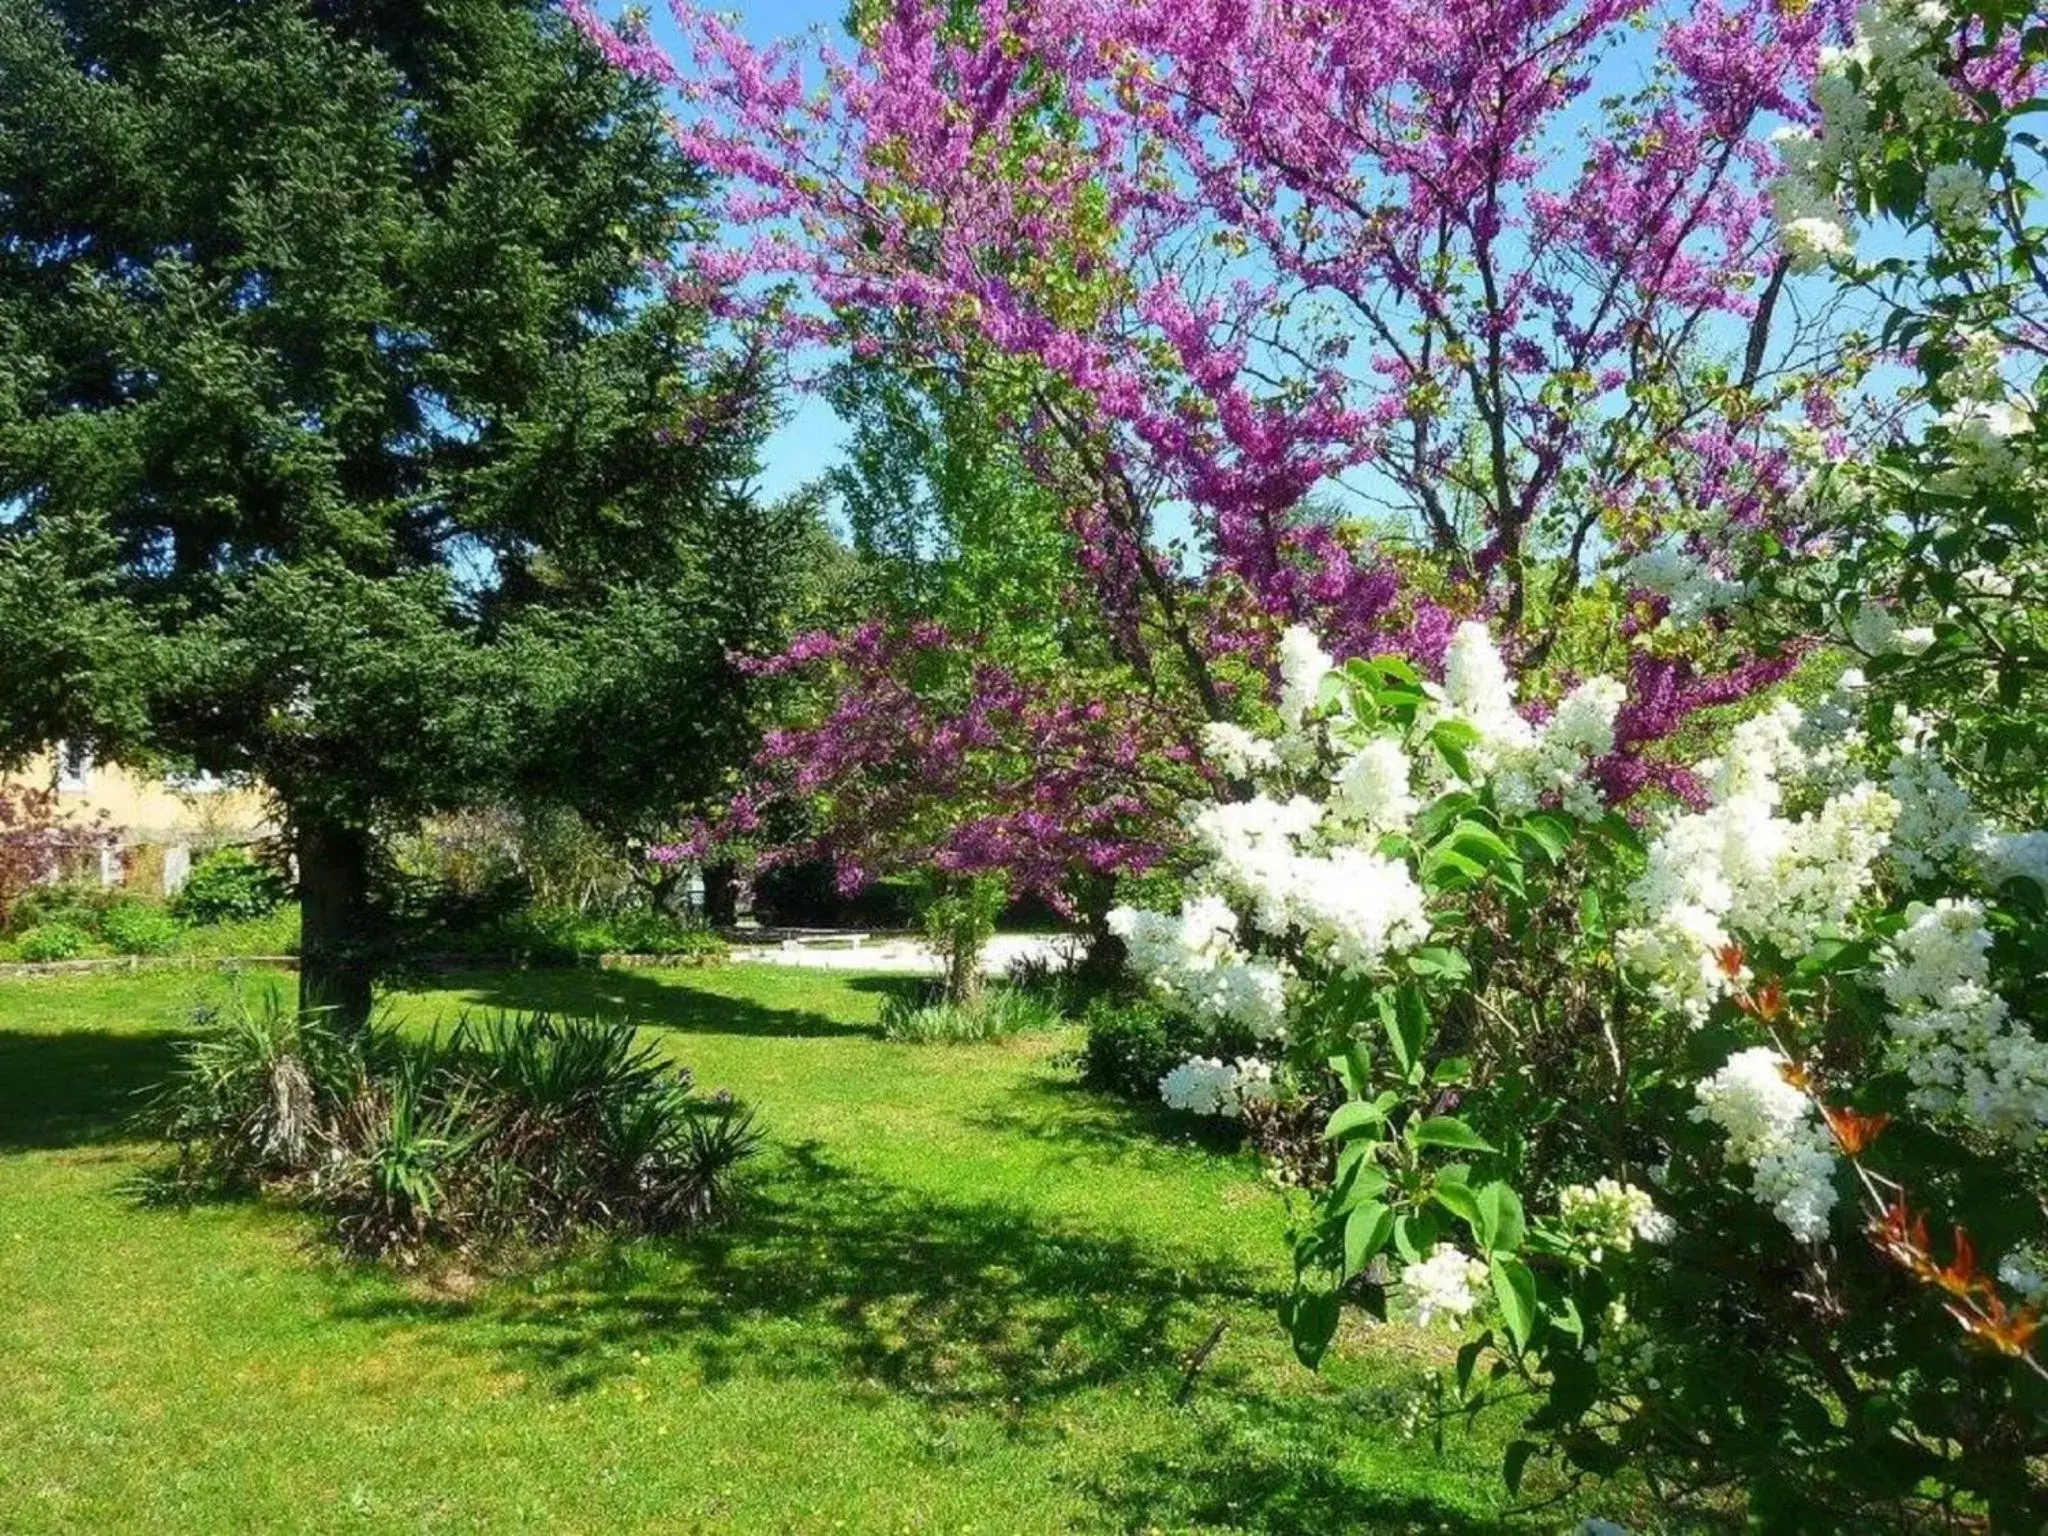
(1357, 1173)
(1617, 828)
(1437, 960)
(1366, 1231)
(1515, 1462)
(1353, 1119)
(1468, 1358)
(1349, 1064)
(1501, 1225)
(1310, 1318)
(1451, 1071)
(1447, 1131)
(1445, 861)
(1454, 740)
(1396, 669)
(1415, 1233)
(1549, 832)
(1480, 842)
(1405, 1018)
(1458, 1198)
(1590, 916)
(1514, 1287)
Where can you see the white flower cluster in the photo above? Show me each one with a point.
(1203, 1085)
(2025, 1269)
(1373, 788)
(1874, 632)
(1306, 869)
(1831, 738)
(1940, 831)
(1953, 1036)
(1740, 871)
(1773, 1128)
(1303, 666)
(1613, 1215)
(1195, 960)
(1980, 434)
(1351, 906)
(1891, 50)
(1446, 1284)
(1524, 762)
(1237, 751)
(1691, 588)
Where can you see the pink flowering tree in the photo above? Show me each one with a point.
(1500, 278)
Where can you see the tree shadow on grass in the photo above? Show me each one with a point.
(672, 1005)
(80, 1087)
(1091, 1125)
(952, 1306)
(948, 1303)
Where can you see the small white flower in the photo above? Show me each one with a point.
(1957, 196)
(1447, 1283)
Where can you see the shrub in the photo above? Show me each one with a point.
(256, 1094)
(135, 928)
(228, 886)
(1133, 1042)
(994, 1014)
(547, 936)
(276, 934)
(642, 932)
(48, 942)
(70, 902)
(514, 1130)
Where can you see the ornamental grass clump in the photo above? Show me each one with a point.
(515, 1131)
(994, 1014)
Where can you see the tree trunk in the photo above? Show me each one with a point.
(963, 969)
(334, 921)
(722, 894)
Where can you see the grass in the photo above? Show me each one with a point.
(959, 1301)
(277, 934)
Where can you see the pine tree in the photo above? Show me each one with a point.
(338, 410)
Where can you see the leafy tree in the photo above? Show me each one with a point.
(332, 377)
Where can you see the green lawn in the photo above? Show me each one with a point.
(959, 1300)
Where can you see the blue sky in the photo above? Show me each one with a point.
(810, 440)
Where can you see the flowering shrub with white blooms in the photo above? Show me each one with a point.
(1954, 1036)
(1775, 1130)
(1691, 589)
(1615, 1093)
(1611, 1214)
(1742, 871)
(1294, 883)
(1718, 1120)
(1203, 1085)
(1449, 1283)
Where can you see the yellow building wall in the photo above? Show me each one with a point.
(156, 827)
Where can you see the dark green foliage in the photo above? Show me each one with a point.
(558, 936)
(137, 928)
(1133, 1042)
(346, 443)
(79, 905)
(53, 941)
(228, 886)
(517, 1129)
(257, 1094)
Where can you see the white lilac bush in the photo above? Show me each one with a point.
(1663, 1111)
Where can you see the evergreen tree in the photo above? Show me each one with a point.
(338, 410)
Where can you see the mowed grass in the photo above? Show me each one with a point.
(960, 1299)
